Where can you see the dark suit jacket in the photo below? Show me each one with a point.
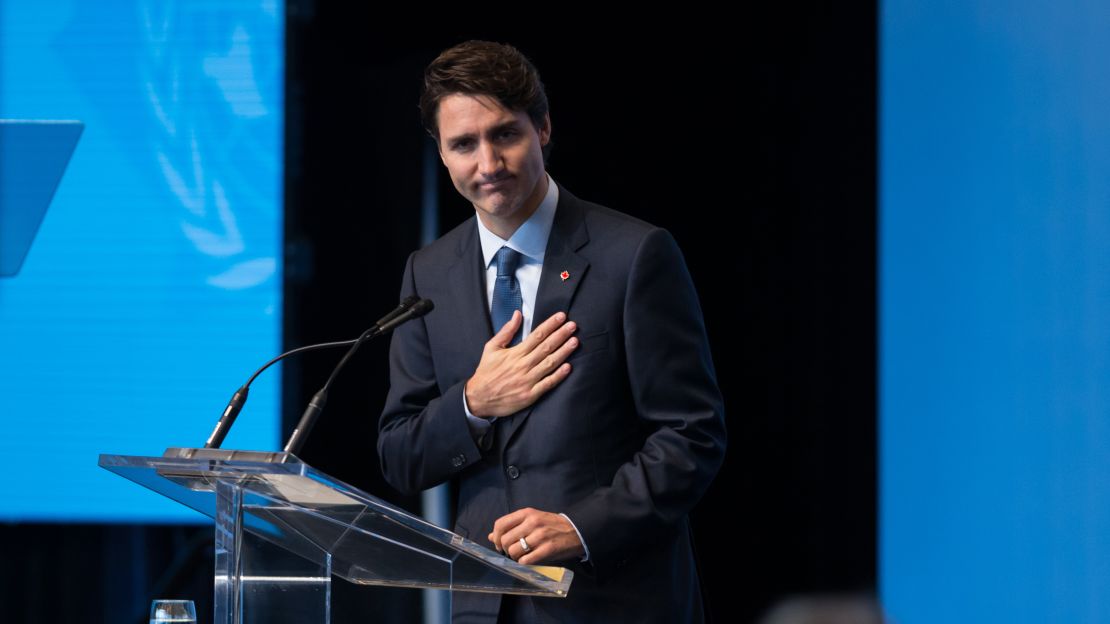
(625, 446)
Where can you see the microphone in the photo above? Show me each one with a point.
(316, 405)
(239, 399)
(416, 310)
(409, 301)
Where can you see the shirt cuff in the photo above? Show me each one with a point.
(466, 408)
(586, 548)
(479, 427)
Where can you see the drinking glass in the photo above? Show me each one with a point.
(173, 612)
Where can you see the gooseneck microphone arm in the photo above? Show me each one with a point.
(316, 405)
(239, 399)
(235, 405)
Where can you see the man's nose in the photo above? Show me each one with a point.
(489, 159)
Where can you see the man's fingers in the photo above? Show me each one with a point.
(505, 335)
(516, 552)
(545, 329)
(545, 365)
(538, 554)
(504, 524)
(511, 538)
(545, 385)
(551, 345)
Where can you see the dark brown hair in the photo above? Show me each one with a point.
(483, 68)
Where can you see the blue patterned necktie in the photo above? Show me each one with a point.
(506, 291)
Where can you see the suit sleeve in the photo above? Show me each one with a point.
(423, 435)
(675, 394)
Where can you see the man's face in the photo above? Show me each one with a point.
(495, 158)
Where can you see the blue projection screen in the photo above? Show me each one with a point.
(995, 311)
(152, 286)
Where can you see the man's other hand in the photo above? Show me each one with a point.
(550, 537)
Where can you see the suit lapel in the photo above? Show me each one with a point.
(467, 277)
(554, 294)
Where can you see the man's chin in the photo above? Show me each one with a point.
(500, 209)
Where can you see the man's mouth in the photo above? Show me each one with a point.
(489, 186)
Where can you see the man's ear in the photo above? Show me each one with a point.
(545, 129)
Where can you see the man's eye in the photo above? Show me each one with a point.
(508, 134)
(462, 146)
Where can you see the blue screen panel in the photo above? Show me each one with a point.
(33, 157)
(995, 311)
(152, 286)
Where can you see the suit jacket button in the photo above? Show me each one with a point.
(514, 472)
(458, 460)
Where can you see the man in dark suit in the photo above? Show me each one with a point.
(564, 379)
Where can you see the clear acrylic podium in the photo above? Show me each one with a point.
(283, 529)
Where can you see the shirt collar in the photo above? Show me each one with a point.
(530, 239)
